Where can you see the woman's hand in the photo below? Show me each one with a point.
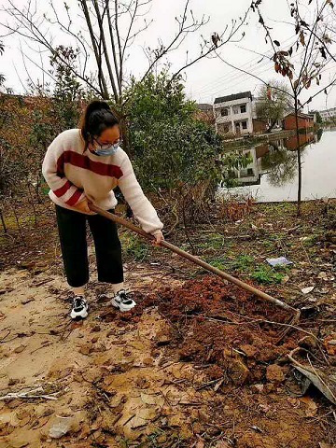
(158, 238)
(83, 207)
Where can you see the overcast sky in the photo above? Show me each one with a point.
(204, 81)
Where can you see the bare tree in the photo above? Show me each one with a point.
(108, 28)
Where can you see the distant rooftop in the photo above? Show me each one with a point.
(332, 109)
(204, 106)
(300, 114)
(236, 96)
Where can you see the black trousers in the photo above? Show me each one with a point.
(72, 232)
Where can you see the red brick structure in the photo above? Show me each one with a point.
(304, 139)
(259, 126)
(305, 121)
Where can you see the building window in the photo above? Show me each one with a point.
(243, 109)
(236, 110)
(224, 112)
(224, 128)
(244, 124)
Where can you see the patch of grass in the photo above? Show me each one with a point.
(133, 246)
(311, 240)
(268, 245)
(213, 241)
(242, 263)
(218, 263)
(267, 275)
(245, 264)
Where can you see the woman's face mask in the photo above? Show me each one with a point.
(107, 149)
(107, 143)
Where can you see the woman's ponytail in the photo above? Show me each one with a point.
(96, 118)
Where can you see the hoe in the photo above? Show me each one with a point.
(261, 294)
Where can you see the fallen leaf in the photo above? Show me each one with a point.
(311, 406)
(148, 413)
(200, 443)
(6, 429)
(20, 348)
(152, 399)
(307, 290)
(330, 344)
(138, 422)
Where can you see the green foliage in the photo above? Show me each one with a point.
(173, 152)
(242, 263)
(319, 119)
(155, 100)
(267, 275)
(166, 139)
(134, 247)
(214, 241)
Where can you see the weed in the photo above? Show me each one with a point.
(134, 246)
(267, 275)
(242, 263)
(213, 241)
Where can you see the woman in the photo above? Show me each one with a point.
(83, 165)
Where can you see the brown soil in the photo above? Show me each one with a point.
(187, 367)
(194, 365)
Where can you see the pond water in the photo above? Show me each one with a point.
(271, 174)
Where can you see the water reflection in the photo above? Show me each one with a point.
(271, 173)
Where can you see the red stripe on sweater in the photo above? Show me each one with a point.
(61, 191)
(81, 161)
(74, 198)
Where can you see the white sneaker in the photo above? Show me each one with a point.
(122, 301)
(80, 308)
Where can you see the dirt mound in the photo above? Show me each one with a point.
(222, 326)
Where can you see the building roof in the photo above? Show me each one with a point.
(204, 106)
(235, 96)
(333, 109)
(300, 114)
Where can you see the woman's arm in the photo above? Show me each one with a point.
(52, 168)
(142, 208)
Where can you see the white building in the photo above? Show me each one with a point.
(329, 114)
(234, 114)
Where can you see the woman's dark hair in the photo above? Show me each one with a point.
(96, 118)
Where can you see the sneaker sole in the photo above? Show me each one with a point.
(79, 316)
(120, 307)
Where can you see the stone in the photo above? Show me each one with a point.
(258, 388)
(60, 427)
(308, 342)
(237, 371)
(275, 374)
(249, 350)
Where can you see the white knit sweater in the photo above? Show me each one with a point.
(73, 174)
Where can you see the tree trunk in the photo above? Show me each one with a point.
(298, 158)
(3, 221)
